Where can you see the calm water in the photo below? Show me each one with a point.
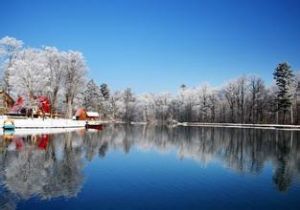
(138, 167)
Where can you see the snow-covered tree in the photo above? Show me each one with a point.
(115, 104)
(28, 73)
(242, 85)
(187, 98)
(204, 102)
(9, 48)
(146, 107)
(92, 97)
(128, 105)
(56, 65)
(230, 93)
(162, 103)
(74, 78)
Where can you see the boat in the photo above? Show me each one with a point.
(9, 125)
(94, 125)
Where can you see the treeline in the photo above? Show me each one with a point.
(62, 76)
(244, 100)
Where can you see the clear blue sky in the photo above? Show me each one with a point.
(156, 45)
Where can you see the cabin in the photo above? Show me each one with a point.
(6, 102)
(82, 114)
(40, 107)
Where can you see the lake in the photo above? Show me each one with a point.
(147, 167)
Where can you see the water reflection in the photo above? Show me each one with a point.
(45, 166)
(51, 165)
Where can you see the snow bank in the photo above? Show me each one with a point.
(33, 131)
(46, 123)
(238, 125)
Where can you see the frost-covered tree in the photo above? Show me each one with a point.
(162, 104)
(213, 104)
(204, 102)
(105, 102)
(74, 78)
(92, 97)
(230, 93)
(28, 72)
(146, 108)
(31, 72)
(9, 48)
(187, 98)
(242, 87)
(56, 65)
(115, 104)
(128, 100)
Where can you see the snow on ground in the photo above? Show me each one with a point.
(238, 125)
(46, 123)
(33, 131)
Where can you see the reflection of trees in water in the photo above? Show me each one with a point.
(43, 173)
(7, 200)
(57, 170)
(65, 176)
(244, 150)
(26, 173)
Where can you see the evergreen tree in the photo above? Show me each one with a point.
(104, 91)
(92, 96)
(284, 77)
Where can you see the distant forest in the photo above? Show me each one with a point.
(62, 77)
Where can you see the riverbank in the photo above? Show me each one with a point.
(37, 123)
(229, 125)
(34, 131)
(240, 125)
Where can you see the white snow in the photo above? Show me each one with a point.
(239, 125)
(93, 114)
(46, 123)
(33, 131)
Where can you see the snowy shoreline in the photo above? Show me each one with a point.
(226, 125)
(39, 131)
(240, 125)
(38, 123)
(48, 123)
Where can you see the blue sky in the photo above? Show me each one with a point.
(157, 45)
